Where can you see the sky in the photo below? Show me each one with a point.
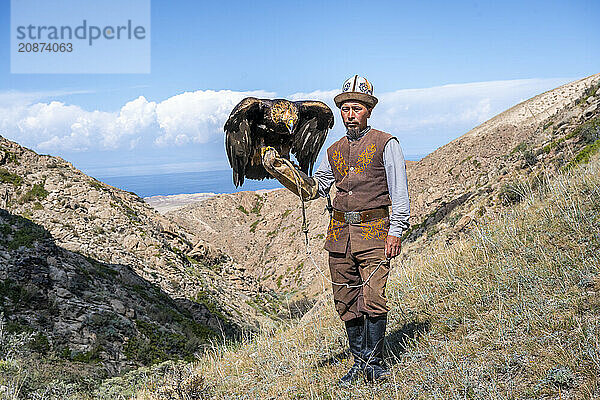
(438, 68)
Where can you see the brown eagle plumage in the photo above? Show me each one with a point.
(297, 126)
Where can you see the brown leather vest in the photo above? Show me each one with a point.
(361, 184)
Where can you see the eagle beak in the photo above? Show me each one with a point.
(290, 126)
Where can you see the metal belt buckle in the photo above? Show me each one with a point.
(352, 217)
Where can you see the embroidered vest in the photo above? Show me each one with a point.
(361, 184)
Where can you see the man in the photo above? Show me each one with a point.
(369, 172)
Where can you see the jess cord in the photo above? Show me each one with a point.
(91, 33)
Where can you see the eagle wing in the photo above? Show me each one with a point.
(238, 135)
(315, 119)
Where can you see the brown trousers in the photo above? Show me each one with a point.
(354, 269)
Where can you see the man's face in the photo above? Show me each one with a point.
(355, 115)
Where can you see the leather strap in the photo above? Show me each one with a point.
(356, 217)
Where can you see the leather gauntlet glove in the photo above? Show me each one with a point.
(288, 174)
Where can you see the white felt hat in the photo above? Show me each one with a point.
(356, 88)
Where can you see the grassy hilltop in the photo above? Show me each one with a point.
(510, 312)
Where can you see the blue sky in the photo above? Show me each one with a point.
(439, 68)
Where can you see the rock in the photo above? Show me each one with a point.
(118, 306)
(590, 110)
(462, 223)
(132, 242)
(93, 196)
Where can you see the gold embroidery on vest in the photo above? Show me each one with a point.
(340, 163)
(365, 158)
(374, 230)
(333, 232)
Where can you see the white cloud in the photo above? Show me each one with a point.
(57, 126)
(423, 118)
(197, 116)
(453, 106)
(326, 96)
(411, 110)
(189, 117)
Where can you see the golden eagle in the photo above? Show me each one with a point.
(299, 126)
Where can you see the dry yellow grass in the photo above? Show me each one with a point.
(510, 312)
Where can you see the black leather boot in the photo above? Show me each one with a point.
(356, 338)
(375, 368)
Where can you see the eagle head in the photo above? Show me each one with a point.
(285, 112)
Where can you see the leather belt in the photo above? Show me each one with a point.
(356, 217)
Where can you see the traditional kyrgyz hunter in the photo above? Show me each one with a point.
(369, 172)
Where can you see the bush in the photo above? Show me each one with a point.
(584, 155)
(13, 345)
(7, 177)
(511, 193)
(529, 157)
(37, 192)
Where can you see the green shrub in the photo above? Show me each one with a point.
(90, 356)
(548, 148)
(520, 147)
(156, 345)
(40, 344)
(511, 193)
(23, 236)
(589, 132)
(259, 201)
(584, 155)
(14, 291)
(254, 225)
(204, 298)
(37, 192)
(10, 156)
(7, 177)
(96, 185)
(529, 157)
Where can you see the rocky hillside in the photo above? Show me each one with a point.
(533, 136)
(264, 233)
(85, 310)
(106, 254)
(449, 189)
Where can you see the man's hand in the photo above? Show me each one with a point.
(393, 246)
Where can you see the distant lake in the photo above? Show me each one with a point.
(190, 182)
(186, 182)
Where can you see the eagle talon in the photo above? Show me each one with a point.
(264, 149)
